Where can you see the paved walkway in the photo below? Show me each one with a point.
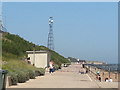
(68, 77)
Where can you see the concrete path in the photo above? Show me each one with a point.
(67, 77)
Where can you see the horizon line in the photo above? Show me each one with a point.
(59, 0)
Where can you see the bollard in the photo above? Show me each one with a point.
(3, 76)
(1, 80)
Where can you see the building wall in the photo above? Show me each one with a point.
(31, 58)
(41, 59)
(48, 58)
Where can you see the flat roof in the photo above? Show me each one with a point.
(41, 51)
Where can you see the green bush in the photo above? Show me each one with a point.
(14, 79)
(26, 72)
(56, 66)
(37, 73)
(31, 74)
(21, 76)
(27, 76)
(42, 71)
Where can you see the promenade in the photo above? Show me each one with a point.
(67, 77)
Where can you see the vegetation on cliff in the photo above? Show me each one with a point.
(14, 53)
(13, 46)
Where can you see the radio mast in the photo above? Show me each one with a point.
(1, 30)
(50, 43)
(1, 22)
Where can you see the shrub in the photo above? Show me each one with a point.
(21, 76)
(37, 73)
(26, 72)
(27, 76)
(14, 79)
(42, 71)
(56, 67)
(31, 74)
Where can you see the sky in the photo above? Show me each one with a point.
(84, 30)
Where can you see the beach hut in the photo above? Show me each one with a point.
(39, 59)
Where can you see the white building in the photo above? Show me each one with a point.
(39, 59)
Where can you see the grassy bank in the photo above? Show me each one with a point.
(20, 71)
(14, 53)
(15, 47)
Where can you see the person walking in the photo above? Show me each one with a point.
(51, 67)
(99, 78)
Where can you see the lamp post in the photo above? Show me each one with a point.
(109, 72)
(0, 46)
(33, 55)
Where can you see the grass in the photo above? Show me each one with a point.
(13, 64)
(20, 71)
(14, 52)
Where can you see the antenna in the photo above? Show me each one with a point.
(0, 36)
(2, 27)
(50, 43)
(1, 23)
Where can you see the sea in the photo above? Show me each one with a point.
(107, 67)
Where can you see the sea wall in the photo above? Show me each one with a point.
(103, 73)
